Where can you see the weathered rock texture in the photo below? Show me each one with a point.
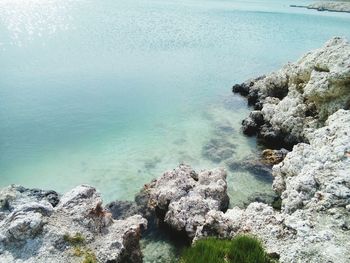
(299, 97)
(314, 182)
(182, 197)
(38, 226)
(304, 104)
(272, 157)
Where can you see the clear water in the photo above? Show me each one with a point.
(112, 93)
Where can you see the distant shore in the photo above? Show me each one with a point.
(330, 6)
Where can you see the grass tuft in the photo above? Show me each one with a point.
(241, 249)
(79, 248)
(75, 240)
(89, 257)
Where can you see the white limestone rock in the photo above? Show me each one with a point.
(34, 230)
(314, 182)
(183, 197)
(300, 96)
(317, 174)
(319, 78)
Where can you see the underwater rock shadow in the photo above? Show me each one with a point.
(259, 170)
(218, 150)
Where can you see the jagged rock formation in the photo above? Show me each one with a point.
(317, 175)
(314, 182)
(299, 97)
(182, 197)
(304, 104)
(39, 226)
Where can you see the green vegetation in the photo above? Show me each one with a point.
(241, 249)
(75, 240)
(79, 249)
(89, 257)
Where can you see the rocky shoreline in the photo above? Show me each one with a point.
(304, 107)
(330, 6)
(42, 226)
(298, 98)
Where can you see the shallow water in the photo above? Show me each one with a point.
(112, 93)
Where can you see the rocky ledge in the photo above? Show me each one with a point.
(305, 105)
(181, 198)
(297, 99)
(41, 226)
(331, 6)
(314, 183)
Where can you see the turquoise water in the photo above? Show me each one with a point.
(112, 93)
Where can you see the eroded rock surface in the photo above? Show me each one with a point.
(314, 183)
(182, 197)
(299, 97)
(38, 226)
(305, 105)
(317, 175)
(272, 157)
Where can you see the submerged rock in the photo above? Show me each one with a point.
(123, 209)
(266, 198)
(218, 149)
(38, 226)
(299, 97)
(182, 197)
(254, 165)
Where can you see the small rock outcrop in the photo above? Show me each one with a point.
(314, 183)
(272, 157)
(331, 6)
(39, 226)
(298, 98)
(182, 197)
